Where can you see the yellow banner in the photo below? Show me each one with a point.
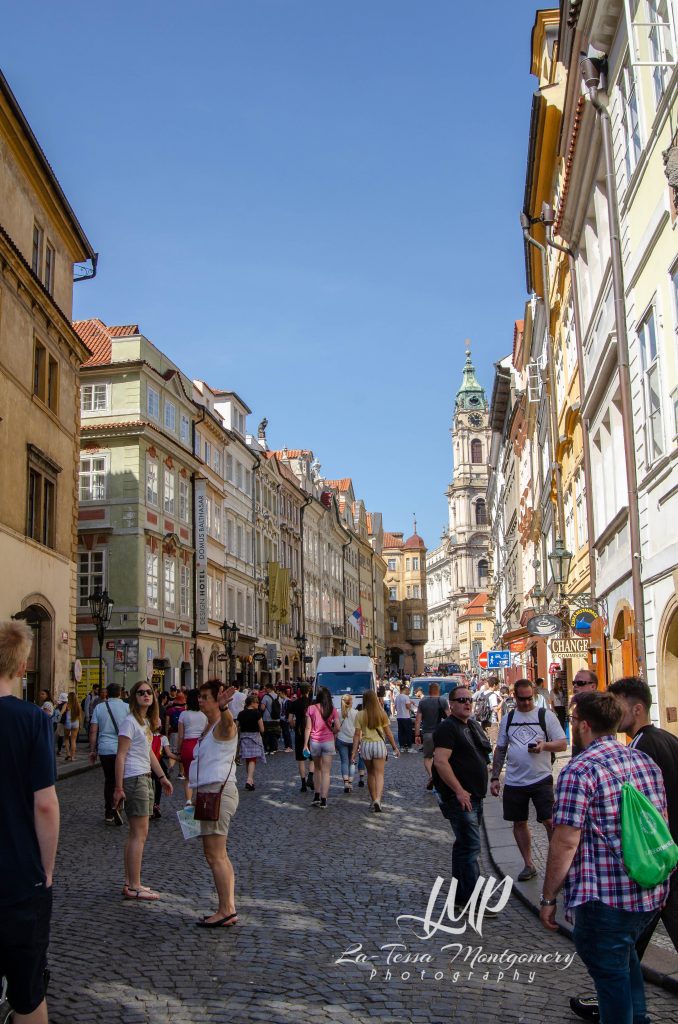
(273, 591)
(284, 595)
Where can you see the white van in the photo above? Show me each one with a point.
(346, 674)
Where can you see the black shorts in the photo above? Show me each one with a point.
(517, 801)
(24, 938)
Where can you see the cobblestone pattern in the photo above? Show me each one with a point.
(311, 885)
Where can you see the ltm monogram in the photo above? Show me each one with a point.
(475, 909)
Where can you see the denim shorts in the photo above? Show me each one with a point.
(318, 748)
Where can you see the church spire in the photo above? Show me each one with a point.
(471, 394)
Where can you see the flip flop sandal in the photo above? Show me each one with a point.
(222, 922)
(145, 894)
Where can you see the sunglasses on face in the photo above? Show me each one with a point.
(582, 682)
(144, 693)
(462, 700)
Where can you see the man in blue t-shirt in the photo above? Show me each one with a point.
(107, 718)
(29, 810)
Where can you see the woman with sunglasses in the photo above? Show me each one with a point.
(134, 764)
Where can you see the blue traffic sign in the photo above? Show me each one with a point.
(498, 659)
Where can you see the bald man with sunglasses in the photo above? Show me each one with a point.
(460, 757)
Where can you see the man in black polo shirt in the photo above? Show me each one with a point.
(29, 811)
(460, 758)
(635, 697)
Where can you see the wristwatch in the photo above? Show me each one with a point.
(543, 902)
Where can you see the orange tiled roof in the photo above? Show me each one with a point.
(393, 540)
(291, 453)
(340, 485)
(369, 521)
(97, 336)
(476, 606)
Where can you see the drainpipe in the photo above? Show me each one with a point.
(559, 525)
(255, 472)
(343, 587)
(580, 376)
(194, 424)
(592, 70)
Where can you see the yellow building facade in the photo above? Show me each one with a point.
(40, 358)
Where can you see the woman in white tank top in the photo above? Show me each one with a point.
(212, 770)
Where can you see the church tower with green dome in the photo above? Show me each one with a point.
(458, 569)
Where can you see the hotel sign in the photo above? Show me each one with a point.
(200, 512)
(571, 647)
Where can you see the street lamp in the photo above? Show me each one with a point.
(560, 560)
(300, 641)
(101, 607)
(229, 634)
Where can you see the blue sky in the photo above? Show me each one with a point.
(310, 202)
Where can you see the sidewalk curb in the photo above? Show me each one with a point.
(651, 974)
(80, 770)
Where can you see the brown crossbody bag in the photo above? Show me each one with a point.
(208, 805)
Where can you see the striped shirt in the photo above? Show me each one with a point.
(588, 797)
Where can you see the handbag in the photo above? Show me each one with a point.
(208, 805)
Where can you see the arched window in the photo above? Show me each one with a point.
(476, 451)
(481, 513)
(482, 572)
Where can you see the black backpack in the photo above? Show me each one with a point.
(541, 718)
(275, 708)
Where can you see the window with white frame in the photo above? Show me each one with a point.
(394, 624)
(416, 590)
(238, 541)
(94, 397)
(238, 475)
(209, 516)
(217, 521)
(218, 599)
(93, 477)
(580, 501)
(170, 416)
(240, 598)
(560, 376)
(415, 564)
(661, 47)
(479, 627)
(417, 622)
(210, 596)
(569, 520)
(570, 338)
(229, 466)
(391, 564)
(185, 429)
(216, 461)
(170, 585)
(229, 536)
(630, 119)
(207, 453)
(654, 431)
(393, 593)
(153, 402)
(185, 590)
(197, 444)
(408, 591)
(168, 492)
(184, 500)
(91, 577)
(152, 579)
(151, 481)
(248, 481)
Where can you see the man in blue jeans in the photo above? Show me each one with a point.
(585, 857)
(460, 757)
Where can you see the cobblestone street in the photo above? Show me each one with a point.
(311, 886)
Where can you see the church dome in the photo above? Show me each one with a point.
(415, 541)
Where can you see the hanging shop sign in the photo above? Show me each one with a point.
(571, 647)
(545, 625)
(201, 608)
(582, 619)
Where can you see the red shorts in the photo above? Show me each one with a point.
(186, 754)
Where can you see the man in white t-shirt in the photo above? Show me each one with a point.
(494, 701)
(529, 735)
(237, 702)
(402, 710)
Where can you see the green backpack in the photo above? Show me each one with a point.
(649, 852)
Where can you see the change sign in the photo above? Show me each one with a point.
(570, 647)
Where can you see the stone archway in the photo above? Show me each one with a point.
(38, 613)
(667, 667)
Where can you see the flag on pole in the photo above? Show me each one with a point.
(355, 619)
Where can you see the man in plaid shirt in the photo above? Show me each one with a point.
(585, 857)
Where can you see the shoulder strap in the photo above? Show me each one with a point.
(509, 720)
(115, 724)
(541, 715)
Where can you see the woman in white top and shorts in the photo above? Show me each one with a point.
(345, 736)
(213, 770)
(190, 728)
(134, 784)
